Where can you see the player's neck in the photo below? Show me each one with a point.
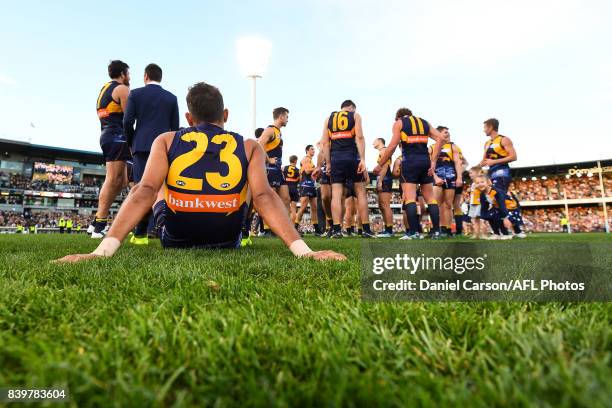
(493, 135)
(217, 124)
(277, 124)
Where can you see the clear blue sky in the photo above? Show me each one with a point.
(544, 68)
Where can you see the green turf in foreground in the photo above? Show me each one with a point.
(257, 327)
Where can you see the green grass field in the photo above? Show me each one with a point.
(257, 327)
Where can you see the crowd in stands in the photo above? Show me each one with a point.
(582, 219)
(43, 219)
(551, 188)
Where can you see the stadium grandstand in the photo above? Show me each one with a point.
(39, 185)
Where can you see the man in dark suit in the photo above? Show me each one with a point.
(155, 111)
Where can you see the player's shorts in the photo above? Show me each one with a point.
(500, 177)
(515, 217)
(416, 171)
(350, 190)
(344, 170)
(448, 176)
(275, 177)
(168, 241)
(114, 146)
(308, 189)
(294, 194)
(324, 178)
(386, 186)
(474, 211)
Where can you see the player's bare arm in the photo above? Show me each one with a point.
(265, 137)
(137, 204)
(383, 170)
(325, 149)
(397, 167)
(458, 166)
(438, 139)
(395, 140)
(121, 93)
(273, 211)
(360, 141)
(508, 146)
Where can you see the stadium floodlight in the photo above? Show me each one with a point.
(253, 54)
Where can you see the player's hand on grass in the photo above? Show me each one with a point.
(76, 258)
(326, 255)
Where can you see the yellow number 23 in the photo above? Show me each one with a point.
(216, 180)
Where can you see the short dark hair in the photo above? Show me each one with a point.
(308, 148)
(348, 103)
(293, 158)
(278, 112)
(258, 132)
(494, 123)
(154, 72)
(401, 112)
(381, 139)
(441, 128)
(205, 102)
(116, 68)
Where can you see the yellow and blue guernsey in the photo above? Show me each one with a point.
(274, 147)
(205, 188)
(446, 157)
(341, 131)
(291, 174)
(109, 111)
(306, 178)
(414, 137)
(388, 177)
(494, 150)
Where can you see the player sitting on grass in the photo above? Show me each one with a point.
(204, 171)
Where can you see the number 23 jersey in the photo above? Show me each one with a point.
(206, 184)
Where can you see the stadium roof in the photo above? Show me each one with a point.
(37, 151)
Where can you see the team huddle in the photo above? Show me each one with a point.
(203, 184)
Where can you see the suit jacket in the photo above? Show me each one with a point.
(154, 110)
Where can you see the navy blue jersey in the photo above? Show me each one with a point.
(291, 174)
(388, 176)
(341, 131)
(274, 147)
(109, 111)
(305, 176)
(414, 137)
(206, 185)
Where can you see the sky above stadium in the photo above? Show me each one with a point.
(543, 68)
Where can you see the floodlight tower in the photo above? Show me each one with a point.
(253, 55)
